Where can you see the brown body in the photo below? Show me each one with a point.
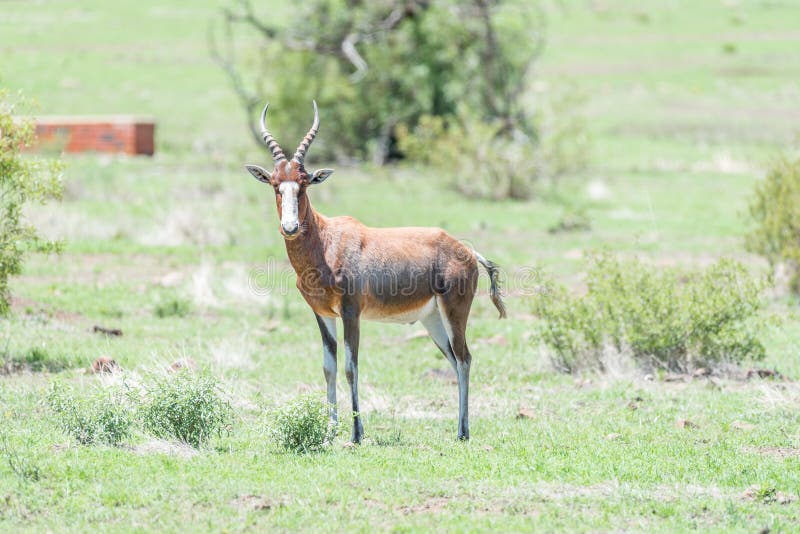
(350, 271)
(339, 256)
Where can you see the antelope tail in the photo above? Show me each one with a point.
(494, 276)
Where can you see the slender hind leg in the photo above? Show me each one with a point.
(433, 324)
(454, 323)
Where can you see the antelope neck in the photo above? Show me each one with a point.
(306, 251)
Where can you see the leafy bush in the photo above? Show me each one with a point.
(667, 318)
(445, 83)
(374, 65)
(22, 182)
(101, 417)
(185, 405)
(302, 425)
(475, 157)
(483, 160)
(776, 211)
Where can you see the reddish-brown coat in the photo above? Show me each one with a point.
(336, 256)
(352, 271)
(339, 255)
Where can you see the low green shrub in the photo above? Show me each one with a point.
(301, 425)
(663, 317)
(175, 307)
(572, 220)
(34, 360)
(393, 439)
(100, 417)
(483, 159)
(480, 161)
(186, 406)
(776, 211)
(19, 461)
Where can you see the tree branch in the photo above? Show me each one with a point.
(351, 54)
(248, 16)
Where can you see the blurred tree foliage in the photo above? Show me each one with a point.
(442, 82)
(23, 180)
(775, 208)
(482, 159)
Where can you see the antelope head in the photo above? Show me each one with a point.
(289, 178)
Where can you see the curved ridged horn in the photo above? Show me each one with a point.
(272, 144)
(300, 155)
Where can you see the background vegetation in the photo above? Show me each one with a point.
(441, 83)
(22, 181)
(666, 318)
(377, 65)
(775, 209)
(687, 105)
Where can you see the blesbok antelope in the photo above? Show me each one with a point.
(348, 270)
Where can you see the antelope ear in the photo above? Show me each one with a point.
(320, 176)
(259, 173)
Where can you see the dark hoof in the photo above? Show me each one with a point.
(358, 431)
(463, 437)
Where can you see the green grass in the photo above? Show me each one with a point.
(687, 102)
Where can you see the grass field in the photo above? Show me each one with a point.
(686, 102)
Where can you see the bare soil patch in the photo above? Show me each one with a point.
(774, 452)
(430, 505)
(255, 503)
(32, 308)
(767, 495)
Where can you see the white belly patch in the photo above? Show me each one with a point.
(409, 316)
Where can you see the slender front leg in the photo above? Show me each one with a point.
(350, 318)
(327, 328)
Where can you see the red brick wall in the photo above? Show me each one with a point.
(129, 135)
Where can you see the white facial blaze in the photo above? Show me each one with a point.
(289, 214)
